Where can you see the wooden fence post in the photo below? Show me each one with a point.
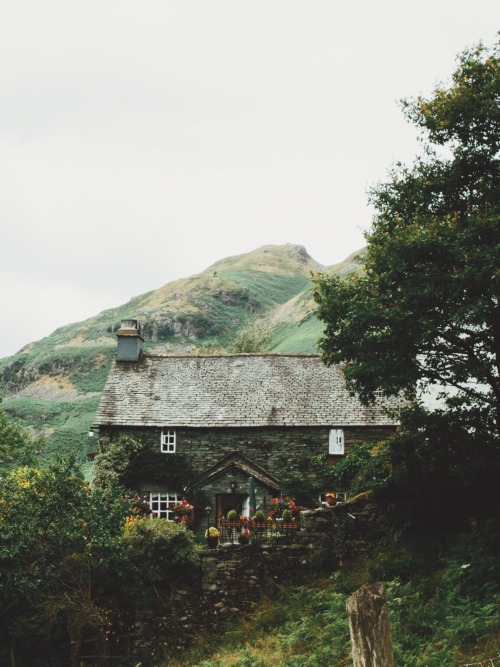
(370, 627)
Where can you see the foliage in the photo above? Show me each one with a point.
(444, 467)
(65, 424)
(443, 606)
(74, 558)
(127, 460)
(151, 542)
(113, 461)
(17, 447)
(254, 337)
(453, 615)
(426, 310)
(209, 347)
(366, 466)
(305, 490)
(279, 505)
(60, 554)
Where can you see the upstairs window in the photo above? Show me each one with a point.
(336, 441)
(161, 505)
(167, 442)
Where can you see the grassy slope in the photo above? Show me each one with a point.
(53, 385)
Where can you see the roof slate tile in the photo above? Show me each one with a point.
(233, 390)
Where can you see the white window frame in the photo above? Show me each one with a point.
(168, 442)
(160, 504)
(336, 445)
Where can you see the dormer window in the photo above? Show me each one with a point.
(167, 445)
(336, 441)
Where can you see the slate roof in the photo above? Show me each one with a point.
(235, 462)
(232, 390)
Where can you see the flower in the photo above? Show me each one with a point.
(182, 511)
(212, 532)
(278, 505)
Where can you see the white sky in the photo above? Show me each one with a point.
(142, 141)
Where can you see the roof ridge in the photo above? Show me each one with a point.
(231, 356)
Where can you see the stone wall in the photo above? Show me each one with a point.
(236, 578)
(348, 530)
(282, 451)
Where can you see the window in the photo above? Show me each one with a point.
(168, 442)
(161, 504)
(336, 441)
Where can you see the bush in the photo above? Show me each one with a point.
(151, 542)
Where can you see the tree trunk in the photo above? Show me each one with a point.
(370, 627)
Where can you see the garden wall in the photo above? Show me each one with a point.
(236, 577)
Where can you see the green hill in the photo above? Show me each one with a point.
(53, 385)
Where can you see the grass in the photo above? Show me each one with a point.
(304, 627)
(293, 338)
(446, 613)
(268, 289)
(86, 366)
(66, 424)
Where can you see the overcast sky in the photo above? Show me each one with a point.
(142, 141)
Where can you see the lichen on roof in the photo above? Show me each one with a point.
(247, 390)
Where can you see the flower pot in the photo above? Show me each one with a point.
(212, 542)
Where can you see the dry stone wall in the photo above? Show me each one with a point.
(235, 578)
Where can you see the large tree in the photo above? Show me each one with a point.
(426, 310)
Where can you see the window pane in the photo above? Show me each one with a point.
(336, 441)
(160, 504)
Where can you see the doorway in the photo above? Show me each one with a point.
(231, 501)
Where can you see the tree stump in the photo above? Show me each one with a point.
(370, 627)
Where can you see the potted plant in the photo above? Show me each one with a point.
(233, 518)
(287, 516)
(212, 536)
(244, 536)
(331, 499)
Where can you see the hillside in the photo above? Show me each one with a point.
(53, 385)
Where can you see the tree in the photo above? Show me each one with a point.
(16, 445)
(62, 557)
(426, 310)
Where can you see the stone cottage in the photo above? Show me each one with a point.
(228, 418)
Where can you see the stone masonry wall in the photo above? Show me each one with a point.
(281, 451)
(236, 578)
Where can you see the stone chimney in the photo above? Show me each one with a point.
(130, 341)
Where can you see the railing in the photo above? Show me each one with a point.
(249, 531)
